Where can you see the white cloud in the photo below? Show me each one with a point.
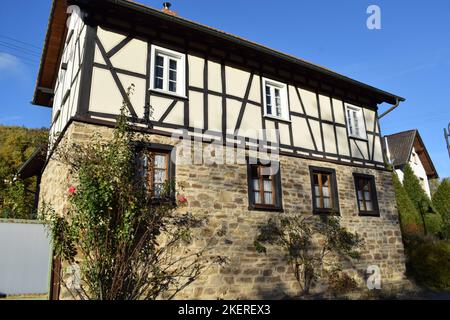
(13, 65)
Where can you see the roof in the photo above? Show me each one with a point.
(34, 164)
(53, 40)
(51, 54)
(400, 148)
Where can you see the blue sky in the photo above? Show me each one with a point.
(409, 56)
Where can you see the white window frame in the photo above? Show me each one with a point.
(283, 97)
(181, 71)
(351, 123)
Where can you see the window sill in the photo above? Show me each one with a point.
(265, 208)
(374, 214)
(168, 93)
(327, 212)
(165, 200)
(270, 117)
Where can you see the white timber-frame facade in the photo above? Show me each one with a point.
(193, 79)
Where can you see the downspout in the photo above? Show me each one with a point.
(397, 103)
(388, 153)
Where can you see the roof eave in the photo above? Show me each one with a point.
(44, 97)
(43, 92)
(433, 173)
(383, 96)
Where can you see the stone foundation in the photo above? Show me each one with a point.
(219, 193)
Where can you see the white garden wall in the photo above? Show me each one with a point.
(25, 258)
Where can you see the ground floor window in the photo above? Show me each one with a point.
(366, 194)
(154, 170)
(264, 184)
(324, 190)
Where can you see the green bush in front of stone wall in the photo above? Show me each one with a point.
(429, 264)
(307, 242)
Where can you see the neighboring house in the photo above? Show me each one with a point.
(204, 82)
(407, 147)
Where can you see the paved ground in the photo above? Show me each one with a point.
(435, 296)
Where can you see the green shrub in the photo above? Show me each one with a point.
(419, 198)
(434, 224)
(429, 264)
(340, 283)
(410, 221)
(415, 191)
(295, 236)
(441, 202)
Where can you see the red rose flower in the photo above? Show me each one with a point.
(182, 199)
(72, 190)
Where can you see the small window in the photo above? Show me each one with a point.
(366, 195)
(275, 99)
(415, 157)
(324, 190)
(167, 71)
(355, 122)
(264, 186)
(154, 171)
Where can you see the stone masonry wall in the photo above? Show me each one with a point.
(219, 193)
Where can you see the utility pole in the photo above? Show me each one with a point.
(447, 138)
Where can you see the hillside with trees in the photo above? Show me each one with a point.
(17, 144)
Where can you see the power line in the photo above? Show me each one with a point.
(21, 47)
(24, 58)
(17, 48)
(22, 42)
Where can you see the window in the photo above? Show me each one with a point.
(366, 194)
(154, 170)
(324, 190)
(275, 99)
(415, 158)
(168, 71)
(264, 186)
(355, 122)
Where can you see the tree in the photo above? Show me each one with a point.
(417, 195)
(410, 220)
(310, 259)
(441, 202)
(127, 245)
(16, 146)
(16, 201)
(434, 185)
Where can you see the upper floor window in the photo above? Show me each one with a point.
(324, 190)
(168, 71)
(355, 122)
(264, 184)
(415, 157)
(366, 194)
(154, 171)
(275, 99)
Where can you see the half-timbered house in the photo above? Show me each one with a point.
(193, 79)
(407, 148)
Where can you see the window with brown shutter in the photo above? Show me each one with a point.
(366, 195)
